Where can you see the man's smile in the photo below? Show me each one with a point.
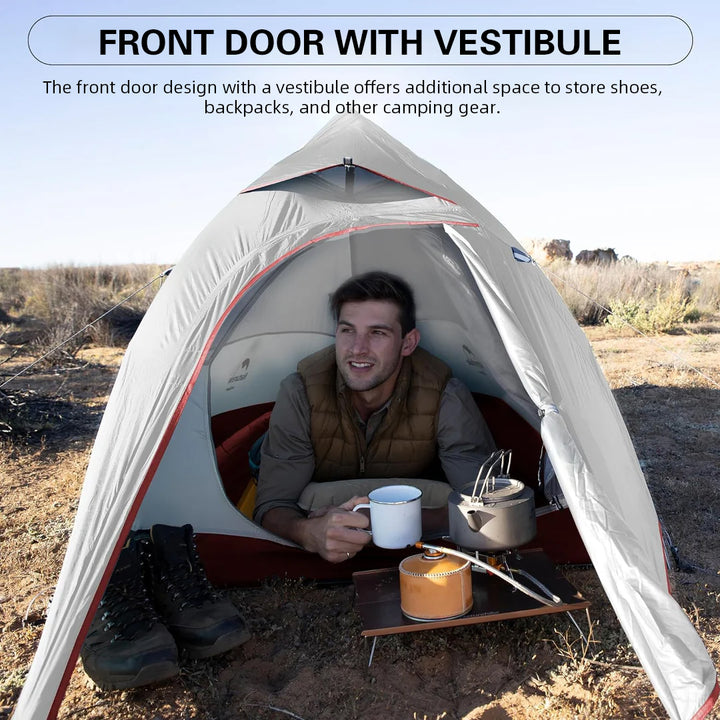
(360, 364)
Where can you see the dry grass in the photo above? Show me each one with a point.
(658, 296)
(53, 304)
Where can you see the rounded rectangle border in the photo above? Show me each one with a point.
(360, 40)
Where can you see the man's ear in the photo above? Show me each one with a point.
(410, 342)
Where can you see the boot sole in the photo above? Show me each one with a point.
(146, 676)
(222, 644)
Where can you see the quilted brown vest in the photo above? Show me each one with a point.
(405, 443)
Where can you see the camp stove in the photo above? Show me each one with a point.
(503, 565)
(506, 563)
(499, 560)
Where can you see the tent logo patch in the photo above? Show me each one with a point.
(244, 372)
(521, 255)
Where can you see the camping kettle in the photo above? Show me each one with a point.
(498, 516)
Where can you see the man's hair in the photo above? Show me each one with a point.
(377, 285)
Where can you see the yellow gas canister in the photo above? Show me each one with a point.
(435, 586)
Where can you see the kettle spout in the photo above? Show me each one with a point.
(474, 520)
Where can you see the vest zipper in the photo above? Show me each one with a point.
(361, 446)
(359, 437)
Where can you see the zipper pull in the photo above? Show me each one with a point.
(362, 464)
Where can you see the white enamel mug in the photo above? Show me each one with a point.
(395, 515)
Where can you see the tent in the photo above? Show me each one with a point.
(249, 299)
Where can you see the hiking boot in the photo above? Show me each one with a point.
(127, 645)
(201, 620)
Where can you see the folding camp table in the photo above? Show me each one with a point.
(377, 598)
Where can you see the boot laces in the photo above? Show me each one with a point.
(125, 608)
(187, 582)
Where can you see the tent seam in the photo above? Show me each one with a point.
(265, 186)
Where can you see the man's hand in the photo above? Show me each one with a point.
(335, 533)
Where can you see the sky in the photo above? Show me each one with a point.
(133, 178)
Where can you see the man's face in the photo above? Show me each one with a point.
(369, 345)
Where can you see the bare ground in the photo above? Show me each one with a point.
(307, 658)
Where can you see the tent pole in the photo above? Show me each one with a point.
(349, 175)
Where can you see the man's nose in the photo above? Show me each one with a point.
(361, 343)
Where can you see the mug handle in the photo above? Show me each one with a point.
(360, 507)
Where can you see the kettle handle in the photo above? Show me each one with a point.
(497, 456)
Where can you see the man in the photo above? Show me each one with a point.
(373, 406)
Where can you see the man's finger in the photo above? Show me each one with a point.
(344, 539)
(343, 518)
(353, 501)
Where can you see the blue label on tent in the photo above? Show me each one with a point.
(521, 255)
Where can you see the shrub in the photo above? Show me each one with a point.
(663, 312)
